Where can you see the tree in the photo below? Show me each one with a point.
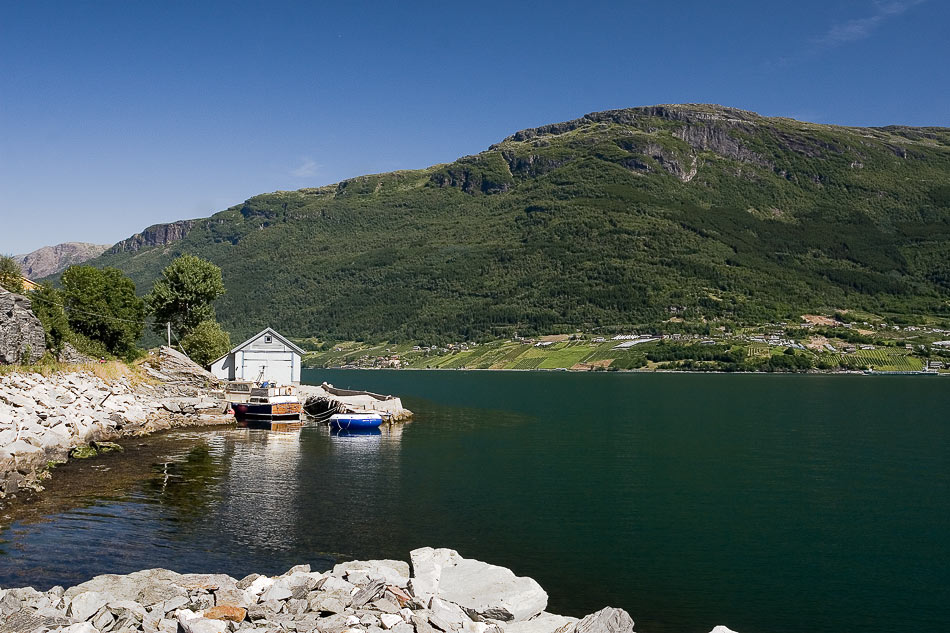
(184, 295)
(206, 342)
(11, 276)
(48, 308)
(101, 304)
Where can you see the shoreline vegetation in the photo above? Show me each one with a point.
(443, 593)
(76, 412)
(841, 344)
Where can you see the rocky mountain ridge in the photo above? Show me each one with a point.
(50, 260)
(155, 235)
(617, 219)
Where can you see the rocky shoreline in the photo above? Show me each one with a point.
(443, 593)
(43, 419)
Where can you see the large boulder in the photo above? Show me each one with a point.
(22, 337)
(607, 620)
(544, 623)
(484, 591)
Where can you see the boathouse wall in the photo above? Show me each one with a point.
(266, 356)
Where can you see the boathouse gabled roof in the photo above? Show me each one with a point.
(283, 339)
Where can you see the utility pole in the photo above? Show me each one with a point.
(169, 326)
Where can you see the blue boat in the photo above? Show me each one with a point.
(356, 420)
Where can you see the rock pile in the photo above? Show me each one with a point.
(22, 337)
(445, 594)
(43, 417)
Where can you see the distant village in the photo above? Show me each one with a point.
(828, 344)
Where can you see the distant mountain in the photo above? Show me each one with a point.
(50, 260)
(617, 219)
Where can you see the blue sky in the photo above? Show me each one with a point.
(117, 115)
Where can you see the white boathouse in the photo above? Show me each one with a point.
(265, 356)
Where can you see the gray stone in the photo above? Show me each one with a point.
(544, 623)
(103, 620)
(370, 592)
(390, 620)
(421, 623)
(607, 620)
(447, 616)
(264, 610)
(85, 605)
(369, 619)
(79, 627)
(21, 334)
(173, 604)
(394, 572)
(384, 605)
(330, 602)
(485, 591)
(191, 622)
(245, 582)
(277, 591)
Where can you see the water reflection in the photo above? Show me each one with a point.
(232, 500)
(258, 502)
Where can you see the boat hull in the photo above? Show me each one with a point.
(266, 412)
(355, 421)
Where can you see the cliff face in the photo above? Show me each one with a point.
(155, 235)
(50, 260)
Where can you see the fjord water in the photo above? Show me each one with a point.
(766, 503)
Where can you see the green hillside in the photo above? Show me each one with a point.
(620, 218)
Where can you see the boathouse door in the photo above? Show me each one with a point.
(270, 365)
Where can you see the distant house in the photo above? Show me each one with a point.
(265, 356)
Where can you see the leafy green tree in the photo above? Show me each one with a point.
(11, 276)
(48, 308)
(206, 342)
(184, 295)
(101, 304)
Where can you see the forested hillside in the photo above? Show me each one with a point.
(617, 219)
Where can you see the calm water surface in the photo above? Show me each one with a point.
(766, 503)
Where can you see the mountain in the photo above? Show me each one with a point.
(50, 260)
(617, 219)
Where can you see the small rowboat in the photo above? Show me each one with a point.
(356, 420)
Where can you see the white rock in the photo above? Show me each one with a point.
(20, 448)
(192, 622)
(352, 620)
(279, 590)
(490, 591)
(390, 620)
(394, 572)
(85, 605)
(607, 620)
(544, 623)
(80, 627)
(722, 629)
(446, 615)
(427, 569)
